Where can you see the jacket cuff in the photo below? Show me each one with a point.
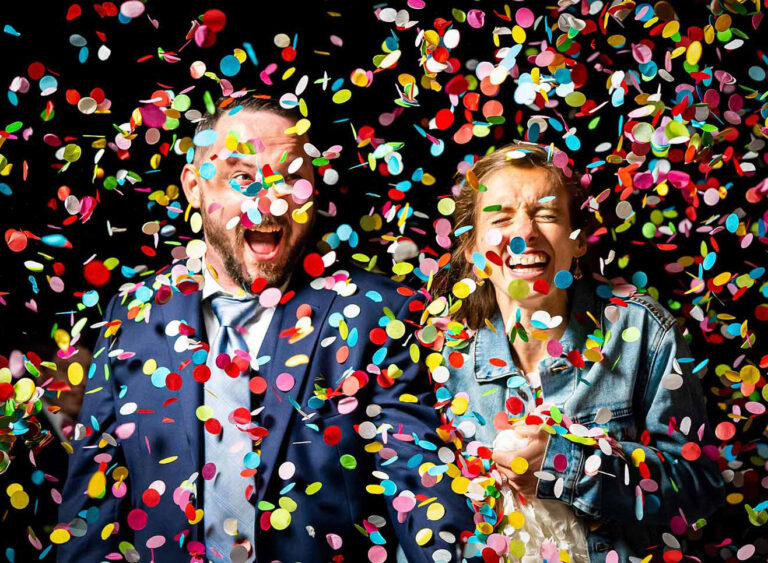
(564, 463)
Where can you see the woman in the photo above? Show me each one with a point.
(623, 439)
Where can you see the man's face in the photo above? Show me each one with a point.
(262, 233)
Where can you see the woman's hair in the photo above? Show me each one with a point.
(481, 304)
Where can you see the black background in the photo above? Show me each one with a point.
(34, 206)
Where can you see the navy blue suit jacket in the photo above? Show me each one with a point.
(167, 441)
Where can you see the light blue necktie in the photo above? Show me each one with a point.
(224, 495)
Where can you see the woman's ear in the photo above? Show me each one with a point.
(581, 245)
(468, 250)
(190, 183)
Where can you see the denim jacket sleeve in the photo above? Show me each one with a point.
(656, 481)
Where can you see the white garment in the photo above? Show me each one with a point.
(546, 521)
(550, 525)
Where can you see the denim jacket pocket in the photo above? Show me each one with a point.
(621, 425)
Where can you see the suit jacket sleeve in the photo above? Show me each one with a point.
(101, 516)
(691, 483)
(408, 407)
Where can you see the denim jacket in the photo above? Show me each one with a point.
(656, 406)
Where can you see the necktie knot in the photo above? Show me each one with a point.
(232, 312)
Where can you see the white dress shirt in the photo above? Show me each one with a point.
(255, 329)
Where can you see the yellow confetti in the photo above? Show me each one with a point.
(149, 367)
(342, 96)
(516, 520)
(435, 511)
(280, 519)
(519, 465)
(19, 500)
(24, 389)
(460, 485)
(423, 536)
(459, 405)
(75, 373)
(312, 488)
(59, 536)
(749, 374)
(297, 360)
(97, 485)
(693, 54)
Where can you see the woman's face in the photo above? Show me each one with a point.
(521, 202)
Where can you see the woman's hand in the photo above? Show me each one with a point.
(524, 482)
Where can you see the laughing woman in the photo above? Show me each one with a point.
(597, 375)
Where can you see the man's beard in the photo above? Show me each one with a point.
(275, 273)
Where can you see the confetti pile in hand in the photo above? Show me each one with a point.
(662, 113)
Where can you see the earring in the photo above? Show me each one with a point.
(577, 274)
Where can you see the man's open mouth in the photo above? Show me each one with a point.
(264, 241)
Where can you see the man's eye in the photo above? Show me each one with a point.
(242, 177)
(546, 217)
(499, 221)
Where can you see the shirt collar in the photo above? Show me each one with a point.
(490, 345)
(211, 286)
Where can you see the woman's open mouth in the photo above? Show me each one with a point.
(264, 241)
(528, 265)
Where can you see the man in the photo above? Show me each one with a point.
(218, 426)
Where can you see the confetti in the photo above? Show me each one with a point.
(659, 115)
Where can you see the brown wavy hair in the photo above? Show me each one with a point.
(481, 304)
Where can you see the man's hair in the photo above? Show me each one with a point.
(481, 304)
(225, 105)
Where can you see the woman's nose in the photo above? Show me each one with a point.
(525, 228)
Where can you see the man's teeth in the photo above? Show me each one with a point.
(265, 229)
(527, 259)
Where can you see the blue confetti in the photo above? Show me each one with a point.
(517, 245)
(229, 65)
(563, 279)
(205, 138)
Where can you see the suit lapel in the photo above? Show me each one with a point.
(279, 412)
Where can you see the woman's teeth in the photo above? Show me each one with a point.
(531, 260)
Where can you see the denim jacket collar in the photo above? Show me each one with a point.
(490, 345)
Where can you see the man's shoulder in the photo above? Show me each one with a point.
(355, 285)
(366, 280)
(138, 305)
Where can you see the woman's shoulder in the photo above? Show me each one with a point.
(644, 304)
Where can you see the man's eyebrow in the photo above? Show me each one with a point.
(239, 161)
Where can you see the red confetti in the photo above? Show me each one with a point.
(332, 435)
(74, 12)
(215, 20)
(313, 265)
(96, 273)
